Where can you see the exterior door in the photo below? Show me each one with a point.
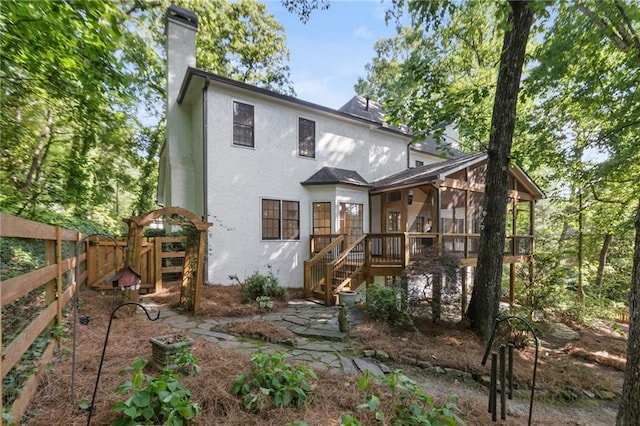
(351, 221)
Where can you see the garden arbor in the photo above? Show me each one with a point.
(193, 267)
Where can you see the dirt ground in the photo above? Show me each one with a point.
(594, 362)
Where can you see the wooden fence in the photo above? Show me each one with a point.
(46, 290)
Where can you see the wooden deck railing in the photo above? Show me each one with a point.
(346, 269)
(389, 254)
(315, 282)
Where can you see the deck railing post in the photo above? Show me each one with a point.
(328, 284)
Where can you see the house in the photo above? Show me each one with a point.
(297, 186)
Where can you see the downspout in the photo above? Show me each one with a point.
(409, 155)
(205, 173)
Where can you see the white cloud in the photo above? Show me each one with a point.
(363, 32)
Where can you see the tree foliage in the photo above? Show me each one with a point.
(83, 86)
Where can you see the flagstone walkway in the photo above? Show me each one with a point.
(320, 343)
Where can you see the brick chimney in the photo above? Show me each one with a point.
(181, 27)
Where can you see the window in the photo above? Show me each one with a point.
(393, 221)
(306, 138)
(280, 220)
(351, 221)
(419, 163)
(419, 224)
(243, 124)
(394, 196)
(322, 218)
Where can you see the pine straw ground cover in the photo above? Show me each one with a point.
(445, 345)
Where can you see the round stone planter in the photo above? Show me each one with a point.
(164, 347)
(347, 298)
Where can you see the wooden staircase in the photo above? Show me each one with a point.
(333, 269)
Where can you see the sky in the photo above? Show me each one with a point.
(330, 51)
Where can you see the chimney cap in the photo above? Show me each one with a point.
(183, 15)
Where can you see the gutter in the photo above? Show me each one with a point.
(205, 170)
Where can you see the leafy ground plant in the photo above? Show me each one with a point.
(258, 285)
(272, 382)
(402, 402)
(154, 400)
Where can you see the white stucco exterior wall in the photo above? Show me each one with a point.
(239, 178)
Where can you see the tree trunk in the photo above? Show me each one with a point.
(629, 411)
(580, 249)
(189, 271)
(602, 260)
(436, 297)
(485, 298)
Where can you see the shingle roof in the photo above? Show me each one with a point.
(369, 109)
(426, 173)
(332, 175)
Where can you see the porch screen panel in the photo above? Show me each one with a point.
(270, 219)
(475, 216)
(475, 205)
(291, 220)
(453, 211)
(523, 227)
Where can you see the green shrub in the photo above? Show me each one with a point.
(272, 382)
(403, 403)
(261, 285)
(155, 400)
(386, 304)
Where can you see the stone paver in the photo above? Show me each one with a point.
(321, 344)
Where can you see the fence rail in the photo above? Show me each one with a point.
(69, 261)
(48, 280)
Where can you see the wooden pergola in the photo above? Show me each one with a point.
(192, 277)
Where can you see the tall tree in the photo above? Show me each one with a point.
(629, 411)
(440, 68)
(485, 298)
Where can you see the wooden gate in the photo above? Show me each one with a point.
(161, 260)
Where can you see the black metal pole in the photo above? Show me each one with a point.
(75, 305)
(104, 349)
(503, 384)
(510, 346)
(494, 388)
(535, 361)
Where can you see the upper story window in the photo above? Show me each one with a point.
(306, 138)
(419, 163)
(243, 124)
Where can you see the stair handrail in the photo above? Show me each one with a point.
(326, 250)
(348, 250)
(309, 264)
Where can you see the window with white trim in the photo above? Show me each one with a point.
(280, 220)
(306, 138)
(243, 124)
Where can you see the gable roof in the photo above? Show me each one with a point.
(195, 73)
(369, 109)
(335, 176)
(438, 171)
(426, 173)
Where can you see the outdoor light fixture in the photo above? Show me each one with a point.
(410, 197)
